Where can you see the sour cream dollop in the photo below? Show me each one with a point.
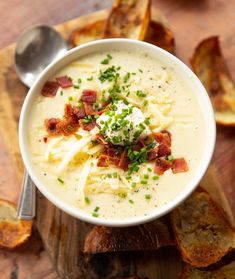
(123, 123)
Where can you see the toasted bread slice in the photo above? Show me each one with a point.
(209, 65)
(202, 231)
(128, 19)
(160, 35)
(13, 232)
(90, 32)
(225, 272)
(150, 236)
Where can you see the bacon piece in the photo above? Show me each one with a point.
(88, 96)
(179, 165)
(152, 154)
(67, 126)
(163, 137)
(64, 81)
(49, 89)
(79, 112)
(123, 162)
(87, 126)
(88, 108)
(101, 139)
(114, 155)
(103, 161)
(52, 126)
(161, 166)
(45, 139)
(164, 150)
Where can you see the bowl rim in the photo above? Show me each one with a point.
(189, 188)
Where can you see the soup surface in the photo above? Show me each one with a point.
(116, 134)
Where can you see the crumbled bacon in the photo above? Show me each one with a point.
(152, 154)
(52, 126)
(79, 112)
(50, 89)
(161, 166)
(64, 81)
(163, 150)
(88, 96)
(67, 126)
(89, 110)
(87, 126)
(103, 161)
(179, 165)
(113, 155)
(123, 162)
(163, 137)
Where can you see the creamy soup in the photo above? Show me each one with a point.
(116, 134)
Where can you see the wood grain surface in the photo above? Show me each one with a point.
(63, 236)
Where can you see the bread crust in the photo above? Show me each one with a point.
(150, 236)
(13, 231)
(202, 231)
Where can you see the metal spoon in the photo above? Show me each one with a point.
(36, 48)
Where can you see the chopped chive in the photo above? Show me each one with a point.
(155, 177)
(170, 158)
(131, 201)
(140, 70)
(147, 121)
(144, 182)
(105, 61)
(70, 128)
(140, 93)
(122, 195)
(79, 80)
(145, 102)
(61, 93)
(87, 200)
(90, 78)
(149, 169)
(76, 86)
(115, 175)
(146, 176)
(109, 56)
(126, 77)
(70, 78)
(70, 98)
(94, 214)
(148, 197)
(96, 209)
(60, 180)
(133, 184)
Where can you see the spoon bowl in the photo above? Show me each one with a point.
(36, 48)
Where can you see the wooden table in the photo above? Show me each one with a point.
(203, 18)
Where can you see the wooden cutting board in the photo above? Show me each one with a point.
(63, 235)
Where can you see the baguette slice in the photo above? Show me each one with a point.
(209, 65)
(160, 35)
(225, 272)
(128, 19)
(13, 232)
(90, 32)
(150, 236)
(202, 231)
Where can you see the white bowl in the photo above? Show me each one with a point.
(129, 45)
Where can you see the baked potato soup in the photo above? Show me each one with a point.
(116, 134)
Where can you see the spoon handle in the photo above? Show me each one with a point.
(27, 202)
